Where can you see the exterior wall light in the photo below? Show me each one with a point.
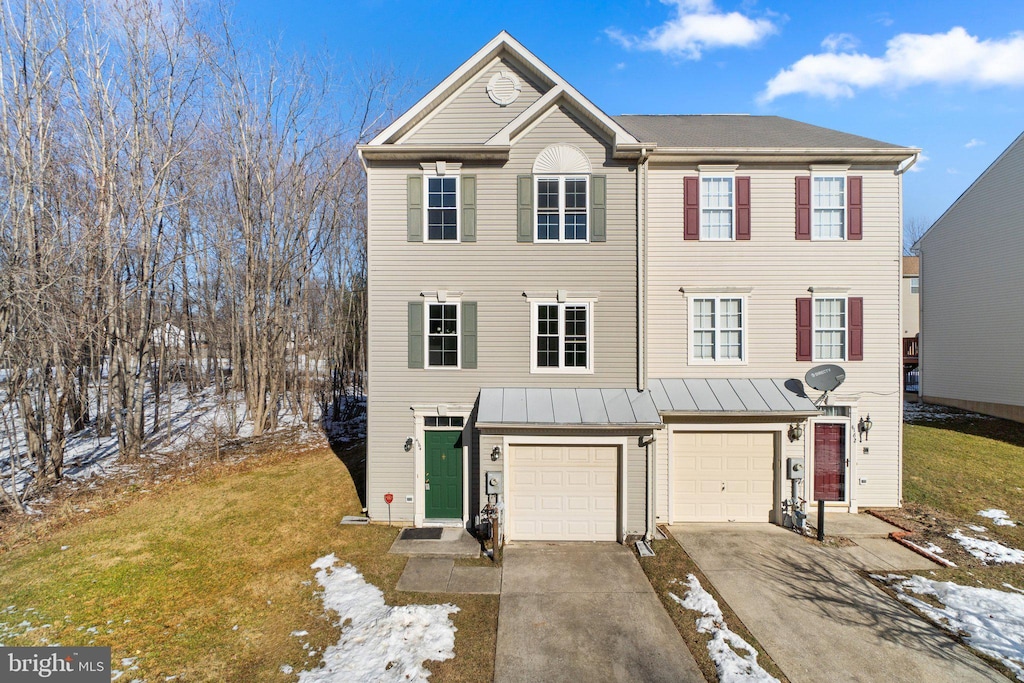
(864, 426)
(408, 444)
(795, 431)
(495, 453)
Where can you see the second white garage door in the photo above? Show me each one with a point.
(722, 476)
(563, 493)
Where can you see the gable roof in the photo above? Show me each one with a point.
(936, 226)
(502, 44)
(741, 131)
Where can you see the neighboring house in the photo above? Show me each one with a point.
(972, 321)
(910, 305)
(600, 322)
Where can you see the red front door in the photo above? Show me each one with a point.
(829, 461)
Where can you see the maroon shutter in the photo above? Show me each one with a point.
(855, 208)
(803, 207)
(804, 329)
(856, 304)
(691, 209)
(743, 207)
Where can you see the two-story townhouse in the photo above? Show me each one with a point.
(600, 322)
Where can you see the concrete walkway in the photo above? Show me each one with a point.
(584, 612)
(815, 615)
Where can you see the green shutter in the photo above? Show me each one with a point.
(414, 210)
(525, 231)
(469, 335)
(469, 208)
(415, 333)
(598, 208)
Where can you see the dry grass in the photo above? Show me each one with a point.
(168, 576)
(670, 565)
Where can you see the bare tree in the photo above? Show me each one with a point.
(914, 227)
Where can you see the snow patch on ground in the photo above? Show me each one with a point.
(735, 660)
(988, 551)
(378, 642)
(998, 517)
(979, 529)
(928, 412)
(993, 620)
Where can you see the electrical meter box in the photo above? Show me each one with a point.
(493, 483)
(794, 468)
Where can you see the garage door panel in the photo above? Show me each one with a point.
(572, 493)
(722, 476)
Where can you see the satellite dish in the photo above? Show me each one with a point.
(825, 377)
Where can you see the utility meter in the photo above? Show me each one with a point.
(493, 484)
(794, 468)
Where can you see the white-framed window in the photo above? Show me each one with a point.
(717, 207)
(562, 336)
(718, 329)
(915, 285)
(830, 328)
(442, 202)
(828, 207)
(443, 325)
(563, 208)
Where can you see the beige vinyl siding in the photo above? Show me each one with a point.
(470, 116)
(778, 269)
(494, 271)
(971, 283)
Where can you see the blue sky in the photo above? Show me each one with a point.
(944, 76)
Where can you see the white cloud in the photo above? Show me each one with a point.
(698, 25)
(839, 42)
(953, 58)
(974, 142)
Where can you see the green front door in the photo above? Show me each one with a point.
(443, 469)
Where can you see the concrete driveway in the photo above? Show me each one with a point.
(816, 616)
(584, 612)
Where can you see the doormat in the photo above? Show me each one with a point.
(431, 534)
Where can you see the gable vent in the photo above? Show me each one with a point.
(561, 159)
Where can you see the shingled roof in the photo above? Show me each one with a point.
(740, 131)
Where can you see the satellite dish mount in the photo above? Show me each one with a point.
(824, 378)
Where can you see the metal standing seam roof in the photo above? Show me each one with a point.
(741, 131)
(566, 407)
(726, 396)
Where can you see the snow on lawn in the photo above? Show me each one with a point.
(998, 517)
(378, 642)
(734, 658)
(988, 551)
(917, 412)
(993, 620)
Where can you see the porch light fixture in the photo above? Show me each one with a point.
(495, 453)
(408, 444)
(795, 431)
(864, 426)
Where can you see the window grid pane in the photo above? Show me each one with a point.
(442, 211)
(830, 329)
(704, 329)
(575, 336)
(730, 329)
(442, 335)
(562, 202)
(829, 198)
(547, 336)
(716, 201)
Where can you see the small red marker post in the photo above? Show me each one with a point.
(388, 498)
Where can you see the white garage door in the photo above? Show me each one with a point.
(722, 476)
(563, 493)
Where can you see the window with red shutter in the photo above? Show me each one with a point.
(804, 329)
(691, 208)
(803, 207)
(856, 306)
(854, 207)
(743, 207)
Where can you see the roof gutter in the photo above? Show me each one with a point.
(637, 428)
(901, 169)
(786, 414)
